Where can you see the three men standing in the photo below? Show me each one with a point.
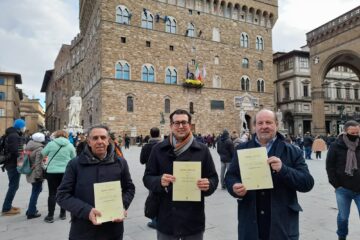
(270, 214)
(180, 219)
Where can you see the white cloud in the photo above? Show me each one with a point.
(296, 18)
(31, 34)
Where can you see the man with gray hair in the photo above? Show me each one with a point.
(342, 164)
(97, 163)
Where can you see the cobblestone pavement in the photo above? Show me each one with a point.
(317, 221)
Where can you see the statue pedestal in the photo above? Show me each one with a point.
(283, 132)
(74, 129)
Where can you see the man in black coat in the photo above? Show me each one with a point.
(179, 219)
(145, 154)
(14, 144)
(146, 149)
(342, 166)
(97, 163)
(226, 151)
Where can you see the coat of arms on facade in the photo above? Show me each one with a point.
(246, 102)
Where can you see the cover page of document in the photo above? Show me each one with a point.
(185, 186)
(254, 170)
(108, 200)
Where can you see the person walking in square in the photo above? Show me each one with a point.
(59, 152)
(36, 177)
(319, 145)
(342, 167)
(226, 151)
(14, 145)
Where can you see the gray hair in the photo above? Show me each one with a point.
(98, 126)
(350, 123)
(266, 110)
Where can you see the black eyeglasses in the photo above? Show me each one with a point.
(183, 123)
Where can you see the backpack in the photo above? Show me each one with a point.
(2, 149)
(23, 162)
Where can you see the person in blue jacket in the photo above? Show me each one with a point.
(270, 214)
(97, 163)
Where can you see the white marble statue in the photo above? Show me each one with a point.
(279, 116)
(74, 110)
(243, 121)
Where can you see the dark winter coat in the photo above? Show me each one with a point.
(76, 192)
(179, 218)
(284, 207)
(225, 148)
(308, 141)
(13, 146)
(335, 166)
(146, 150)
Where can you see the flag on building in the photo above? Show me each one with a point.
(187, 72)
(204, 72)
(197, 73)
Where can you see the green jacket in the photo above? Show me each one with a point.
(57, 163)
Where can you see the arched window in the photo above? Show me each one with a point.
(170, 25)
(130, 104)
(167, 106)
(244, 40)
(147, 19)
(171, 76)
(2, 95)
(245, 83)
(122, 70)
(259, 43)
(216, 60)
(122, 15)
(260, 85)
(260, 65)
(245, 63)
(148, 73)
(190, 32)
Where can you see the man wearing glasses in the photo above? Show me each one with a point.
(183, 220)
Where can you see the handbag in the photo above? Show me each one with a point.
(23, 162)
(47, 165)
(152, 205)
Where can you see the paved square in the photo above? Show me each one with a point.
(317, 222)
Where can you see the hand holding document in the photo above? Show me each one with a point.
(254, 169)
(108, 201)
(187, 175)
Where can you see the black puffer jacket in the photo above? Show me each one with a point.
(76, 192)
(13, 146)
(335, 166)
(225, 148)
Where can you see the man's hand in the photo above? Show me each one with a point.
(239, 189)
(275, 163)
(120, 219)
(166, 179)
(203, 184)
(92, 216)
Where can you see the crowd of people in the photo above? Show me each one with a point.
(72, 164)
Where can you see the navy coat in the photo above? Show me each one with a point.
(76, 193)
(284, 207)
(179, 218)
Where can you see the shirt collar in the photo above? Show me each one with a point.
(268, 145)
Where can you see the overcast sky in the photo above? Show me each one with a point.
(32, 32)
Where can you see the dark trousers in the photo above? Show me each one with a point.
(54, 180)
(14, 179)
(35, 192)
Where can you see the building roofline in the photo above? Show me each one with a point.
(17, 76)
(289, 54)
(47, 78)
